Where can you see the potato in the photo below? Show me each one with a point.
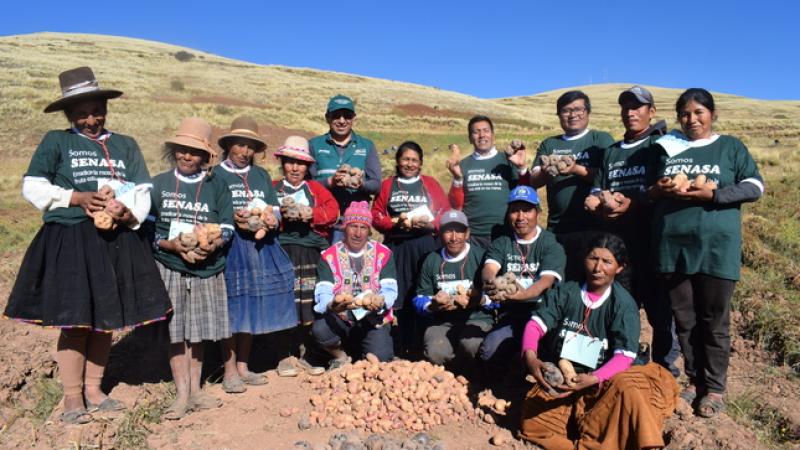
(591, 203)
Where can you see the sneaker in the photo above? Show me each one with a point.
(286, 367)
(309, 368)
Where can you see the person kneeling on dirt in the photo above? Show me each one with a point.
(593, 395)
(449, 293)
(355, 291)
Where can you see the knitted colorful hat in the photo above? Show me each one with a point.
(357, 212)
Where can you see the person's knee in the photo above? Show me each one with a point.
(323, 334)
(438, 350)
(470, 347)
(379, 343)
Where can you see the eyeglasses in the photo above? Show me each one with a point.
(566, 112)
(346, 115)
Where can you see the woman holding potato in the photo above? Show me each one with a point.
(697, 232)
(405, 212)
(258, 273)
(192, 211)
(592, 331)
(87, 280)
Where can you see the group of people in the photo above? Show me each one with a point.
(466, 277)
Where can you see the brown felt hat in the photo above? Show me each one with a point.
(77, 85)
(243, 127)
(194, 132)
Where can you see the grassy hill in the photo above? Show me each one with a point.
(164, 83)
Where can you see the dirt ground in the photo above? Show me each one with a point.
(138, 371)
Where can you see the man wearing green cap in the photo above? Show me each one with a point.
(341, 145)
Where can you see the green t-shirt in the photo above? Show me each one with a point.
(247, 184)
(72, 161)
(630, 168)
(202, 199)
(487, 182)
(566, 193)
(703, 237)
(438, 273)
(528, 261)
(297, 232)
(404, 197)
(613, 319)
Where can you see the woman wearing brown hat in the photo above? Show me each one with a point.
(303, 236)
(193, 222)
(85, 280)
(258, 274)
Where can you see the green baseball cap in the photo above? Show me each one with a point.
(340, 102)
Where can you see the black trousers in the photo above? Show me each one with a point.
(701, 305)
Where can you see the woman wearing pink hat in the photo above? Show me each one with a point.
(189, 201)
(87, 280)
(303, 236)
(258, 273)
(355, 292)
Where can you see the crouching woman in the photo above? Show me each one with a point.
(610, 402)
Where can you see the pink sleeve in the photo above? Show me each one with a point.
(530, 338)
(613, 366)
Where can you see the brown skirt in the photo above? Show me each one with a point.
(627, 412)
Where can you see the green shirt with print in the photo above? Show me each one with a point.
(247, 184)
(72, 161)
(528, 261)
(487, 182)
(203, 199)
(615, 321)
(298, 232)
(403, 198)
(703, 237)
(566, 193)
(437, 274)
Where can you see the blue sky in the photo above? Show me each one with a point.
(487, 49)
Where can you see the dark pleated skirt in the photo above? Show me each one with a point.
(304, 260)
(260, 284)
(77, 276)
(408, 254)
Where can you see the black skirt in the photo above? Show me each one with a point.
(408, 254)
(78, 276)
(304, 260)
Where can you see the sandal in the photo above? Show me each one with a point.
(711, 405)
(233, 385)
(286, 368)
(76, 417)
(202, 401)
(253, 379)
(109, 404)
(309, 368)
(177, 410)
(689, 394)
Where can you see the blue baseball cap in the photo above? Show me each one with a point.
(524, 194)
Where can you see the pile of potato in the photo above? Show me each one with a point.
(201, 239)
(515, 146)
(563, 373)
(381, 397)
(445, 301)
(104, 220)
(406, 223)
(259, 221)
(295, 212)
(501, 287)
(680, 182)
(349, 177)
(604, 199)
(557, 164)
(369, 300)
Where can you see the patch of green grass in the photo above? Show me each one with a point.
(133, 431)
(48, 393)
(770, 426)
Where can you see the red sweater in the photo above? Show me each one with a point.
(325, 210)
(437, 202)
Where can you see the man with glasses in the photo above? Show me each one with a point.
(570, 181)
(341, 145)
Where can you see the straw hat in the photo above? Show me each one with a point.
(194, 132)
(77, 85)
(243, 127)
(295, 147)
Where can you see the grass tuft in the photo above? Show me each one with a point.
(134, 429)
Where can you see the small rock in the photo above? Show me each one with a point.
(374, 442)
(422, 439)
(285, 412)
(304, 423)
(499, 439)
(304, 445)
(488, 418)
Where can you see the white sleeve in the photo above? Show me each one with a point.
(44, 195)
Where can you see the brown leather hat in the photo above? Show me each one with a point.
(77, 85)
(194, 132)
(243, 127)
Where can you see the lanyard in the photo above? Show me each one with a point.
(461, 270)
(107, 156)
(244, 179)
(585, 324)
(196, 197)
